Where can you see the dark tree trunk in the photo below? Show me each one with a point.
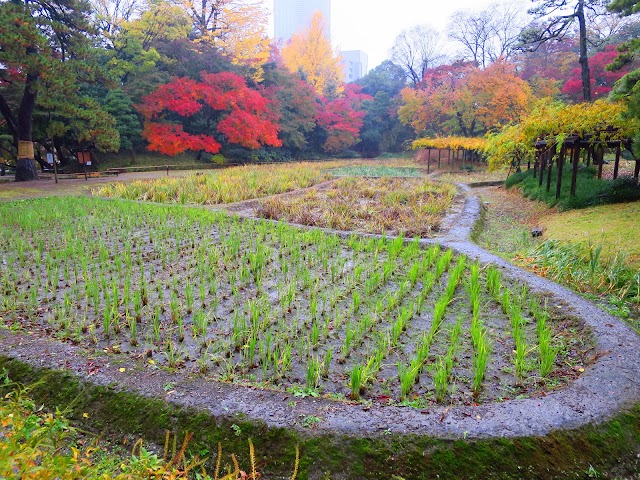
(26, 167)
(584, 59)
(461, 124)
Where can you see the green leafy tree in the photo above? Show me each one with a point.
(386, 77)
(39, 41)
(382, 130)
(127, 121)
(295, 102)
(625, 7)
(136, 43)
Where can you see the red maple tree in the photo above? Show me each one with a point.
(602, 81)
(342, 118)
(184, 114)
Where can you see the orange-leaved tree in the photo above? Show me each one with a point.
(462, 98)
(310, 53)
(186, 114)
(494, 97)
(429, 107)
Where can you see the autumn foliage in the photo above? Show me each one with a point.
(310, 52)
(602, 80)
(463, 98)
(553, 121)
(342, 119)
(219, 102)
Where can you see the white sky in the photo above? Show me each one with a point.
(372, 25)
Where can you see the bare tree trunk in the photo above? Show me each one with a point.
(584, 59)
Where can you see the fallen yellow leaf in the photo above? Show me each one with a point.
(123, 369)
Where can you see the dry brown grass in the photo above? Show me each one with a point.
(409, 206)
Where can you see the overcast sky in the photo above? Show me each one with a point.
(372, 25)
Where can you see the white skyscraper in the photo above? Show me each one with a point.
(354, 65)
(292, 16)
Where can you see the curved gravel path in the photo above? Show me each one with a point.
(608, 386)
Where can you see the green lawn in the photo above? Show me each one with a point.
(615, 226)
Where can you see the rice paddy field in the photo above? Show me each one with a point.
(394, 206)
(267, 304)
(225, 186)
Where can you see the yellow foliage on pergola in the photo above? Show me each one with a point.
(452, 143)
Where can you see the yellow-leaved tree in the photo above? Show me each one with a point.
(310, 52)
(237, 27)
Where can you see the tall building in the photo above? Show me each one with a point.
(355, 64)
(292, 16)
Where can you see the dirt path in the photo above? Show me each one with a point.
(46, 187)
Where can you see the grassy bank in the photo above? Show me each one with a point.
(590, 190)
(42, 444)
(607, 449)
(614, 226)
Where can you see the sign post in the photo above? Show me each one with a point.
(51, 160)
(84, 158)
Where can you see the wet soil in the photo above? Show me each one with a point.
(264, 304)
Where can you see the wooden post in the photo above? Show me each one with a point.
(439, 155)
(598, 155)
(428, 159)
(574, 171)
(543, 166)
(449, 157)
(589, 154)
(560, 162)
(636, 171)
(616, 165)
(550, 171)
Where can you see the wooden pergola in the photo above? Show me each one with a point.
(457, 149)
(589, 147)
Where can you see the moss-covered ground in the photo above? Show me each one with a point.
(610, 448)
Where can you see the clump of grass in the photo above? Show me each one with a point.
(356, 378)
(35, 443)
(582, 267)
(481, 354)
(546, 350)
